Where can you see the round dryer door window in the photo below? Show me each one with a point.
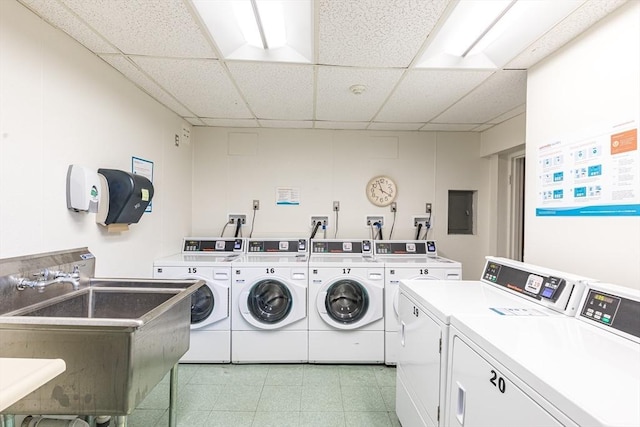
(269, 301)
(202, 304)
(346, 301)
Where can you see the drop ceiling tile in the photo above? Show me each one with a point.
(340, 125)
(336, 102)
(424, 94)
(144, 27)
(580, 20)
(374, 33)
(394, 126)
(500, 93)
(450, 127)
(201, 85)
(482, 128)
(59, 16)
(231, 123)
(195, 121)
(130, 71)
(301, 124)
(276, 91)
(508, 115)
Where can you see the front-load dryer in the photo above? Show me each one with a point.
(506, 288)
(406, 260)
(534, 370)
(269, 302)
(207, 259)
(346, 303)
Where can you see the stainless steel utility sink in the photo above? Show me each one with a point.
(118, 337)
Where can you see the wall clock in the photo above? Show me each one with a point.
(381, 190)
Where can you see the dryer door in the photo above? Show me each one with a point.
(271, 304)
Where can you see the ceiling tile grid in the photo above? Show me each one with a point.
(201, 85)
(374, 33)
(132, 72)
(503, 91)
(336, 102)
(163, 48)
(276, 91)
(146, 27)
(423, 94)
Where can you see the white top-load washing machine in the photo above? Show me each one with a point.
(406, 260)
(346, 303)
(208, 259)
(507, 287)
(269, 302)
(544, 371)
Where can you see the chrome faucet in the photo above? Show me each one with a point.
(48, 277)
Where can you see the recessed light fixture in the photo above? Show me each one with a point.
(484, 34)
(268, 30)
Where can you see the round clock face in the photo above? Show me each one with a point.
(381, 191)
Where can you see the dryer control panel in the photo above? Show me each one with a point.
(616, 313)
(531, 284)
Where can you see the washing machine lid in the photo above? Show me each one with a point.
(591, 375)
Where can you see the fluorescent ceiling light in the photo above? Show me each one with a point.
(484, 34)
(267, 30)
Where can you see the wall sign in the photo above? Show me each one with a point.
(287, 196)
(596, 173)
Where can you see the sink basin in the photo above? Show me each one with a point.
(118, 337)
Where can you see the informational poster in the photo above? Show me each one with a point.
(144, 168)
(593, 174)
(287, 196)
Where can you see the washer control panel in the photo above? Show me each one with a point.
(293, 246)
(406, 248)
(194, 245)
(342, 247)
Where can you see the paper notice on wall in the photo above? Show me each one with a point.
(596, 173)
(287, 196)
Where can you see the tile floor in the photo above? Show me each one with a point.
(275, 395)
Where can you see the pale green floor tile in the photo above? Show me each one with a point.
(321, 375)
(326, 398)
(230, 419)
(362, 398)
(276, 419)
(367, 419)
(280, 398)
(302, 395)
(322, 419)
(238, 398)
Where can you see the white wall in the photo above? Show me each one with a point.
(60, 104)
(234, 166)
(595, 79)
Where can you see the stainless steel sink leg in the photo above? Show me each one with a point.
(8, 421)
(91, 420)
(173, 396)
(120, 420)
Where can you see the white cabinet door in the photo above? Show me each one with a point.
(479, 394)
(419, 358)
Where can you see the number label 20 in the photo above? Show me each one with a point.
(498, 381)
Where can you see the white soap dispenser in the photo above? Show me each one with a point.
(83, 189)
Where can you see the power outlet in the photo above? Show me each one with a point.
(371, 220)
(336, 206)
(428, 209)
(323, 220)
(235, 218)
(417, 220)
(394, 207)
(256, 205)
